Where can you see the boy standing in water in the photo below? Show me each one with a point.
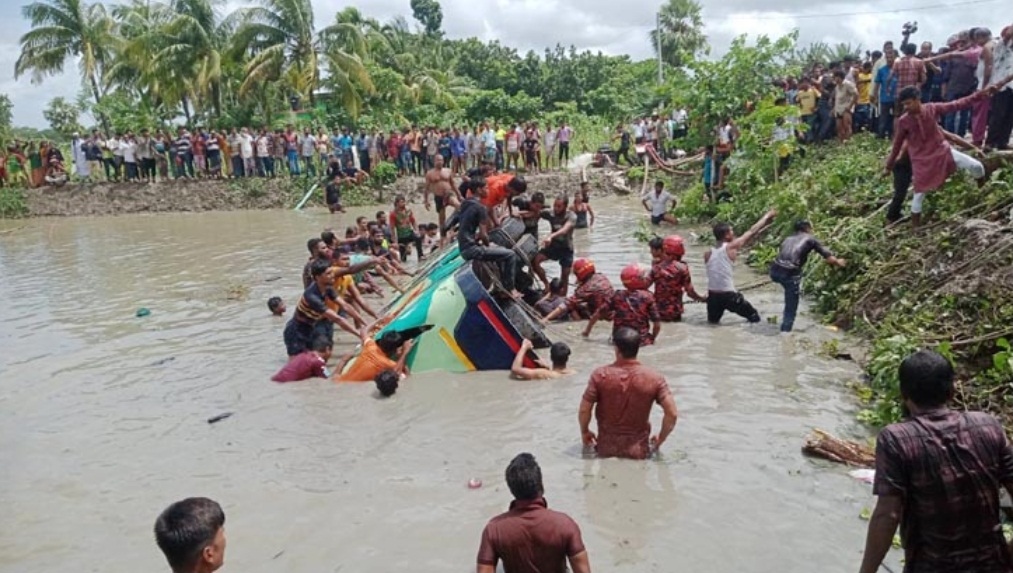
(721, 293)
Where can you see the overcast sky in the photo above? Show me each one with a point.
(614, 27)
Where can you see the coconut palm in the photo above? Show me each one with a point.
(681, 31)
(64, 29)
(140, 30)
(191, 50)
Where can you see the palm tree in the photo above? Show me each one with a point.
(191, 49)
(279, 35)
(64, 29)
(140, 30)
(681, 31)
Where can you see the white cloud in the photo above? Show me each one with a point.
(607, 25)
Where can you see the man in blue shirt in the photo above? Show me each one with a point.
(345, 145)
(362, 146)
(887, 83)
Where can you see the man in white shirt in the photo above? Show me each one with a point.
(638, 131)
(246, 152)
(656, 204)
(307, 148)
(1000, 121)
(115, 146)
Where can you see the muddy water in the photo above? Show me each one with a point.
(103, 420)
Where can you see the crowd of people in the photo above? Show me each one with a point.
(149, 156)
(938, 472)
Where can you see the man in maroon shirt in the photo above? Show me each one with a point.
(621, 395)
(531, 538)
(938, 474)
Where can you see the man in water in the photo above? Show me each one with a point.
(721, 293)
(672, 279)
(657, 204)
(787, 267)
(621, 395)
(558, 246)
(938, 475)
(594, 291)
(309, 364)
(502, 188)
(933, 160)
(390, 351)
(530, 537)
(633, 307)
(440, 182)
(191, 534)
(313, 309)
(559, 354)
(473, 238)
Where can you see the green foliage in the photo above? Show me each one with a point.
(717, 89)
(63, 117)
(12, 203)
(496, 105)
(429, 14)
(383, 174)
(635, 174)
(937, 288)
(6, 117)
(681, 32)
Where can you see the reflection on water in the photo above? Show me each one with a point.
(99, 429)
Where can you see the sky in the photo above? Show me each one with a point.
(611, 26)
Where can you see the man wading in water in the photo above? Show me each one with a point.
(531, 538)
(787, 267)
(721, 293)
(938, 474)
(621, 395)
(440, 182)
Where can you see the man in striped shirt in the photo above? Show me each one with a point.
(938, 474)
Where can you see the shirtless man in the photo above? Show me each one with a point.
(559, 353)
(440, 181)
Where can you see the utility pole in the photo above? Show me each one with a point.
(657, 33)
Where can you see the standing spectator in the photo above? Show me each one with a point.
(265, 158)
(146, 156)
(885, 97)
(307, 149)
(563, 137)
(863, 111)
(530, 537)
(961, 61)
(292, 151)
(845, 99)
(620, 395)
(938, 475)
(246, 152)
(278, 150)
(362, 144)
(1000, 123)
(807, 98)
(983, 73)
(908, 71)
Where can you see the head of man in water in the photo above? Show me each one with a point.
(724, 233)
(191, 534)
(524, 478)
(387, 382)
(627, 343)
(560, 204)
(559, 354)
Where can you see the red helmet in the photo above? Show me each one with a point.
(673, 246)
(636, 276)
(583, 269)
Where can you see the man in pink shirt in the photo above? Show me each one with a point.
(932, 158)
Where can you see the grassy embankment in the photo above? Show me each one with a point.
(947, 286)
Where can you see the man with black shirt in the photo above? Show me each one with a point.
(558, 246)
(473, 240)
(333, 194)
(787, 267)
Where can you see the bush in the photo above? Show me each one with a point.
(383, 174)
(12, 203)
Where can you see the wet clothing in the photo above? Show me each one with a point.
(497, 186)
(471, 214)
(719, 270)
(546, 306)
(530, 538)
(591, 295)
(333, 196)
(370, 362)
(947, 466)
(561, 247)
(301, 367)
(671, 279)
(581, 222)
(634, 309)
(301, 327)
(624, 393)
(795, 251)
(732, 301)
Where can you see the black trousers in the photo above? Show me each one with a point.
(719, 302)
(1000, 120)
(902, 177)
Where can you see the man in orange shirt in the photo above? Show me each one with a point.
(377, 356)
(502, 187)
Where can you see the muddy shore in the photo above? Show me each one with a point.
(282, 193)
